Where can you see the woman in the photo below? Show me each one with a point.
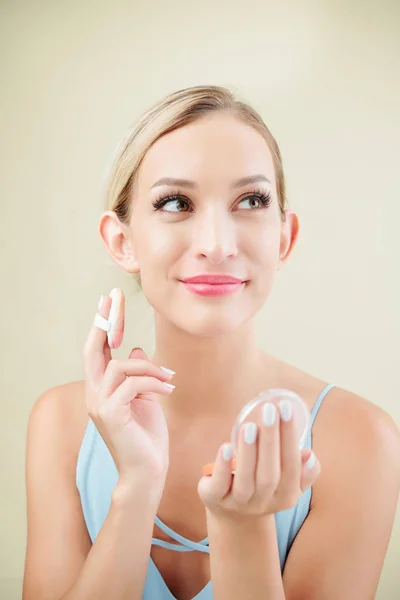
(117, 504)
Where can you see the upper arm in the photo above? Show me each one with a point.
(57, 538)
(340, 549)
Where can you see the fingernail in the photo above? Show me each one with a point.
(100, 304)
(311, 462)
(269, 414)
(285, 409)
(169, 371)
(169, 385)
(227, 452)
(250, 433)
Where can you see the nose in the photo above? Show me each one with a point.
(214, 236)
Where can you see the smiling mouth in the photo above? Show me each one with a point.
(213, 289)
(214, 279)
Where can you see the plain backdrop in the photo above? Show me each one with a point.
(74, 75)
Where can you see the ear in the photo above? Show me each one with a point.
(289, 235)
(116, 237)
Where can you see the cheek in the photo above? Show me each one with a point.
(264, 259)
(263, 247)
(154, 243)
(159, 251)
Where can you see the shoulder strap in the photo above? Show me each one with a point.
(319, 400)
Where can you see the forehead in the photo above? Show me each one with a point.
(214, 148)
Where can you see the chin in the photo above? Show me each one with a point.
(207, 318)
(210, 323)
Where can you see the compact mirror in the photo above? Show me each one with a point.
(252, 411)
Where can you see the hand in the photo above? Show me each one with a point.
(271, 473)
(121, 401)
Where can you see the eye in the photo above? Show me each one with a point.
(160, 203)
(249, 199)
(179, 204)
(263, 198)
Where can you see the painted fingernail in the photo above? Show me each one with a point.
(227, 452)
(250, 433)
(169, 371)
(269, 414)
(285, 409)
(169, 385)
(100, 304)
(311, 462)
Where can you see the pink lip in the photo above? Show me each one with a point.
(213, 289)
(213, 279)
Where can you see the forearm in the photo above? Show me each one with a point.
(244, 559)
(117, 563)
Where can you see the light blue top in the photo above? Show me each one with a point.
(96, 477)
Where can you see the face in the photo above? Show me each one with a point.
(212, 224)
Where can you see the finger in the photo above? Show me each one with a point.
(118, 370)
(214, 488)
(244, 481)
(117, 318)
(132, 387)
(95, 346)
(268, 470)
(139, 353)
(290, 452)
(311, 469)
(305, 455)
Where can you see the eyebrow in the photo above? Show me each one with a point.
(192, 184)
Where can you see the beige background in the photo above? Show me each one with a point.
(325, 77)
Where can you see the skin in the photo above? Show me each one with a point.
(218, 237)
(210, 343)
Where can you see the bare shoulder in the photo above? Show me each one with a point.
(57, 538)
(357, 425)
(67, 395)
(340, 549)
(62, 408)
(356, 441)
(344, 416)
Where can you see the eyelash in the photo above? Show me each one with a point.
(163, 199)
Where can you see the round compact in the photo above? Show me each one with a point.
(252, 411)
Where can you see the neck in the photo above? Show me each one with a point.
(215, 376)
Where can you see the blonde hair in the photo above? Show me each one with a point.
(172, 112)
